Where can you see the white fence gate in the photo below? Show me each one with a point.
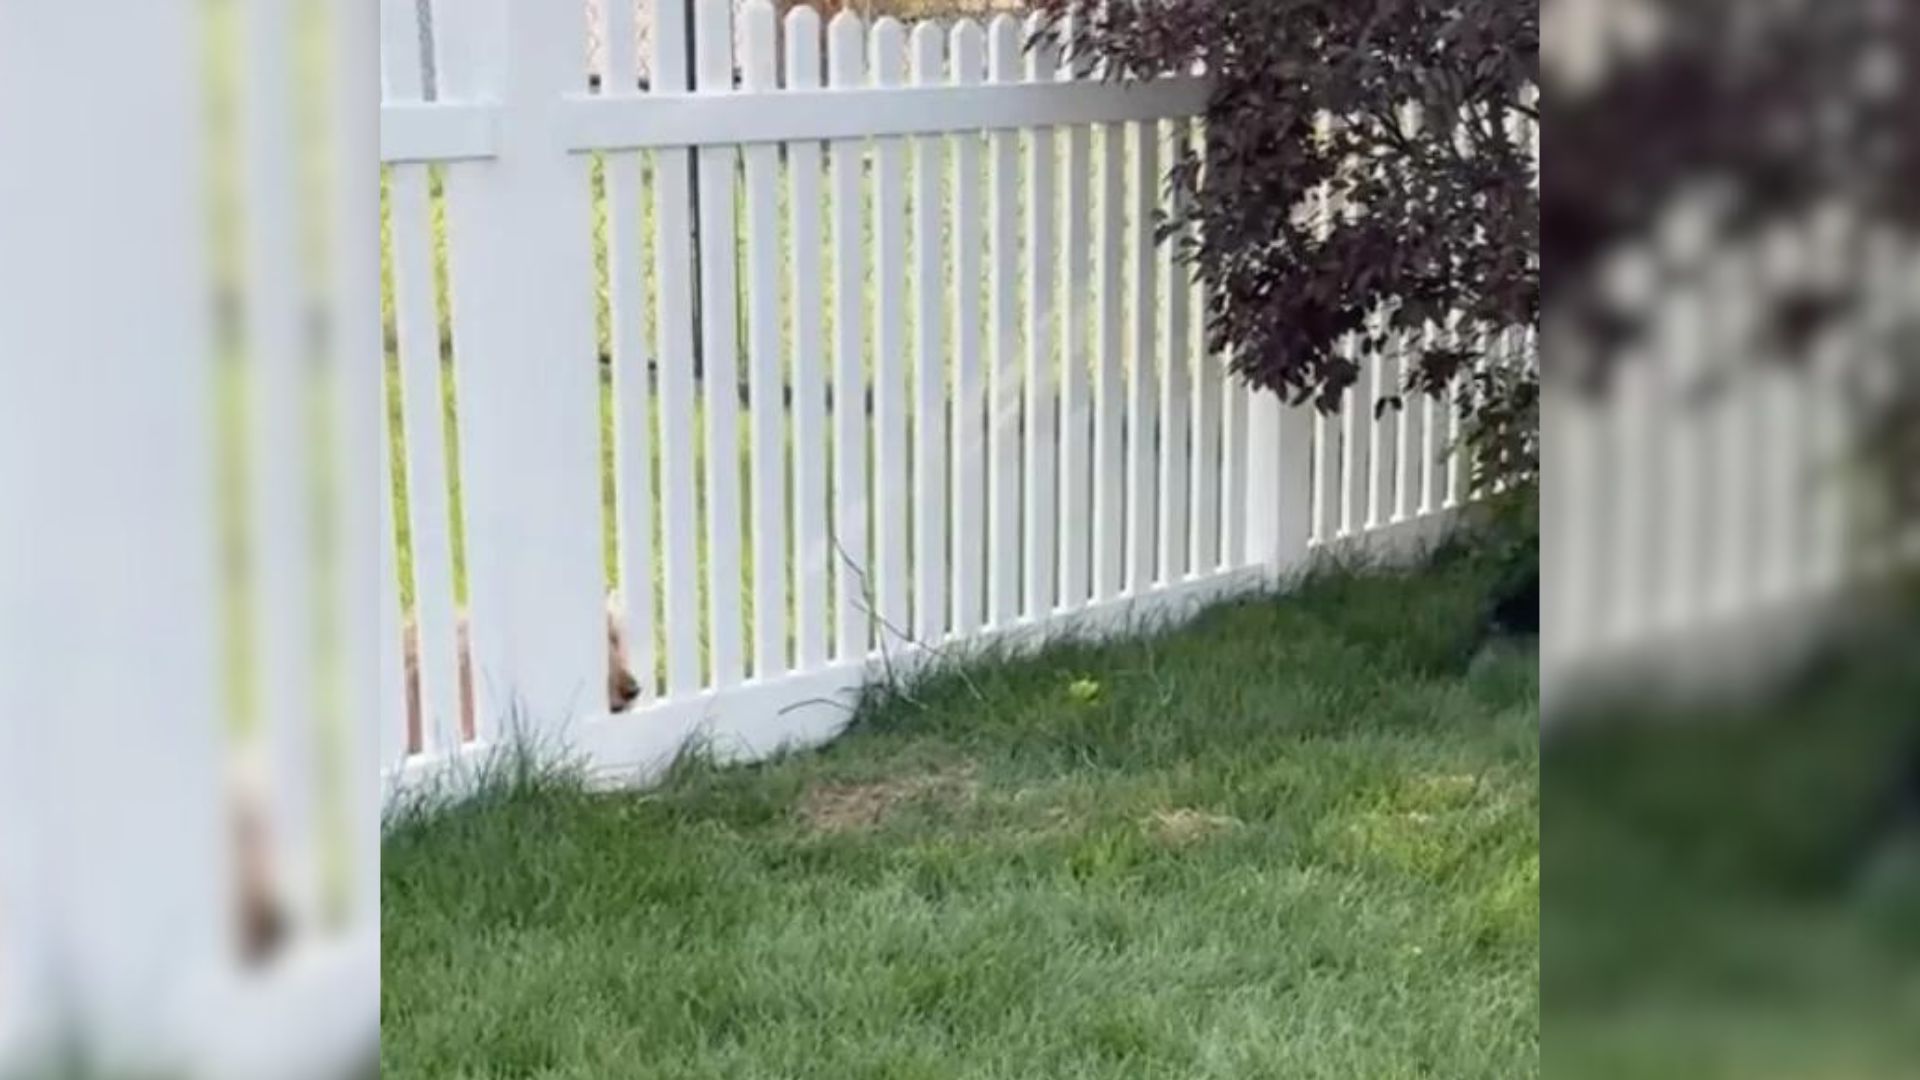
(887, 362)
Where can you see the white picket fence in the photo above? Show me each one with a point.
(896, 370)
(1715, 514)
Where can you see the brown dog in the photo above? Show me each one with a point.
(623, 689)
(260, 918)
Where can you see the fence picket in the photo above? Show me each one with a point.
(813, 547)
(764, 330)
(1142, 496)
(970, 405)
(1110, 393)
(1456, 465)
(846, 59)
(1209, 390)
(1176, 415)
(674, 352)
(1381, 436)
(1406, 421)
(1233, 468)
(930, 374)
(1356, 435)
(1076, 411)
(719, 345)
(1003, 163)
(890, 352)
(368, 688)
(1326, 476)
(280, 460)
(1041, 486)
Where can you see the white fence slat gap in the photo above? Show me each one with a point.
(719, 345)
(813, 545)
(1176, 415)
(417, 333)
(1041, 488)
(846, 57)
(1076, 410)
(1111, 402)
(970, 403)
(930, 564)
(633, 433)
(674, 353)
(1142, 414)
(1003, 163)
(764, 331)
(890, 463)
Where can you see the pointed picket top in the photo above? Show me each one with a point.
(929, 58)
(969, 45)
(889, 44)
(844, 55)
(803, 37)
(1003, 48)
(759, 40)
(1043, 57)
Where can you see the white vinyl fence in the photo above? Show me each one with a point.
(1716, 512)
(884, 363)
(123, 587)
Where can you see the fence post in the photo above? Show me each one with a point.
(1279, 482)
(112, 906)
(520, 233)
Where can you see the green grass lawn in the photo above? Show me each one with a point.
(1721, 905)
(1297, 838)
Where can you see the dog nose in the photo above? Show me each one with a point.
(626, 691)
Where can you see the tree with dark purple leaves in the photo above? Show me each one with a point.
(1406, 123)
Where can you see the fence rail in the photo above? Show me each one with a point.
(893, 365)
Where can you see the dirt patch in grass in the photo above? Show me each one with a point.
(843, 808)
(1185, 825)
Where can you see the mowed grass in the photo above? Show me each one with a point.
(1727, 901)
(1296, 838)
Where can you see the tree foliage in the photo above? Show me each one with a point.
(1367, 169)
